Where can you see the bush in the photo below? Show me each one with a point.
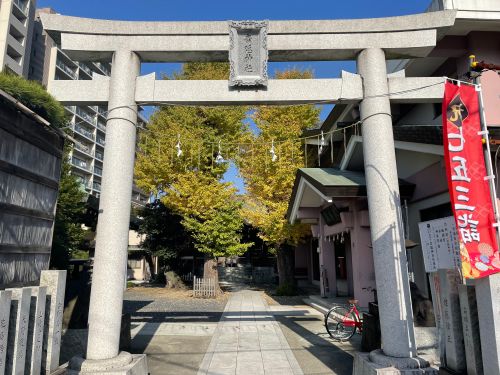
(33, 95)
(286, 290)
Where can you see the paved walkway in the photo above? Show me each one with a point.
(248, 340)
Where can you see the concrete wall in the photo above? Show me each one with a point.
(416, 257)
(16, 30)
(474, 5)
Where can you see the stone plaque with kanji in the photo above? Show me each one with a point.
(248, 53)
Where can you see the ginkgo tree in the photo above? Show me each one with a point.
(269, 164)
(180, 159)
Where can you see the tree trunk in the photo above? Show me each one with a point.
(286, 265)
(149, 261)
(210, 271)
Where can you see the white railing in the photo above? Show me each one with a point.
(204, 288)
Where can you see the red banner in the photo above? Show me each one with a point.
(469, 191)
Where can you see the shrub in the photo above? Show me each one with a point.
(286, 290)
(34, 96)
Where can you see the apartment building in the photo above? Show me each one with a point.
(16, 29)
(88, 123)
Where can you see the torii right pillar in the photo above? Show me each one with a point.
(393, 289)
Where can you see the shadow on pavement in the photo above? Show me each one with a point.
(315, 351)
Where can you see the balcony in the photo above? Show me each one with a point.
(84, 183)
(80, 164)
(101, 126)
(99, 155)
(103, 68)
(98, 171)
(100, 141)
(82, 131)
(83, 148)
(96, 186)
(22, 4)
(84, 115)
(85, 68)
(102, 111)
(66, 69)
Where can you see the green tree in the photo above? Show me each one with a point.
(189, 181)
(269, 183)
(68, 231)
(212, 214)
(164, 234)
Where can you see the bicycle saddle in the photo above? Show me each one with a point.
(352, 301)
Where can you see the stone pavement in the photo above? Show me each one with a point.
(248, 340)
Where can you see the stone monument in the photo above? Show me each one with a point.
(18, 332)
(5, 298)
(35, 330)
(470, 325)
(55, 284)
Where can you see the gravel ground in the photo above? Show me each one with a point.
(157, 304)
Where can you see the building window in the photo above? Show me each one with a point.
(438, 110)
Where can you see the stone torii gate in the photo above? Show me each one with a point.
(370, 42)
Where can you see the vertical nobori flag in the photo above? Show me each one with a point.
(469, 191)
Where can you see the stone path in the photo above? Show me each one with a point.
(248, 340)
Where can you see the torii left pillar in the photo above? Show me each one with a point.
(109, 273)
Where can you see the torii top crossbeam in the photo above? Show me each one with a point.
(86, 39)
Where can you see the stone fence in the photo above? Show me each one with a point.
(30, 326)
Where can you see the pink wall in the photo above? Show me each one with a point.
(362, 271)
(302, 254)
(362, 258)
(327, 260)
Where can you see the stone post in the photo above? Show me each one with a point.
(393, 289)
(55, 282)
(108, 276)
(18, 330)
(470, 326)
(35, 330)
(5, 298)
(488, 310)
(452, 320)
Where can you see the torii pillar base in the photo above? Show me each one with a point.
(376, 363)
(124, 364)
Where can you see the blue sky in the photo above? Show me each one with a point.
(220, 10)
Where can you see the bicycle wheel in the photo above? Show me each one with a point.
(340, 322)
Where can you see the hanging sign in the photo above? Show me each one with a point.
(469, 188)
(248, 53)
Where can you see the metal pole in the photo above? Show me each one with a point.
(487, 158)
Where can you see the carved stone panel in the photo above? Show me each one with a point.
(248, 53)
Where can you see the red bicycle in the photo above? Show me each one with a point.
(341, 322)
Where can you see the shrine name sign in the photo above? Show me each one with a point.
(248, 53)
